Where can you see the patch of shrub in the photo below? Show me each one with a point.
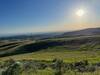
(14, 69)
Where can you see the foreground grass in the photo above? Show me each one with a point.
(51, 72)
(68, 56)
(40, 72)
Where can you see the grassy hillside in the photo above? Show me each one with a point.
(68, 49)
(67, 56)
(77, 43)
(56, 56)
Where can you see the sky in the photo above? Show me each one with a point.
(33, 16)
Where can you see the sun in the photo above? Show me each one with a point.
(80, 12)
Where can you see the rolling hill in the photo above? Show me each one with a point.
(84, 32)
(88, 39)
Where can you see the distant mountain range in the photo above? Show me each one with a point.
(84, 32)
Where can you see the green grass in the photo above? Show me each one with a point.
(84, 52)
(47, 71)
(86, 73)
(66, 55)
(52, 72)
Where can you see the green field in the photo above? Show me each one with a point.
(70, 50)
(67, 56)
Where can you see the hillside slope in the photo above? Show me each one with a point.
(84, 32)
(77, 43)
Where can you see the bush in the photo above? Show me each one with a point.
(29, 67)
(59, 66)
(14, 69)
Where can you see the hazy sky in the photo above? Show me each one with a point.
(23, 16)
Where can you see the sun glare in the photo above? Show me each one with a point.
(80, 12)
